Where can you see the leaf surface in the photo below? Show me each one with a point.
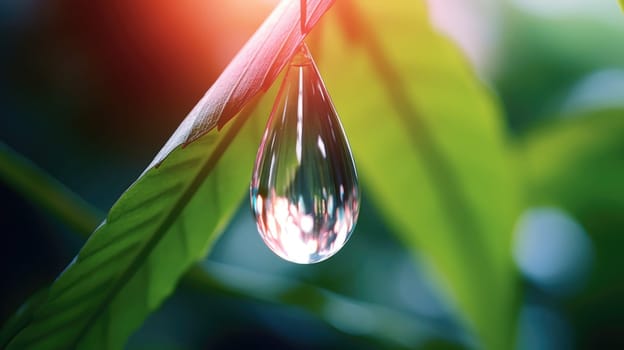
(161, 225)
(431, 150)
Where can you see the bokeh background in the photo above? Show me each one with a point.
(90, 90)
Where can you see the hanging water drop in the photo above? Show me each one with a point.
(304, 189)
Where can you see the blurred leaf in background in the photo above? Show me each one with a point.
(432, 154)
(577, 163)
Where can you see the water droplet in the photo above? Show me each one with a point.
(304, 188)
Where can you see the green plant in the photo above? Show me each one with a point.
(428, 138)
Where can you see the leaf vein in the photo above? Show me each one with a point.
(180, 204)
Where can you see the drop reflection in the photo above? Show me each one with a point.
(304, 189)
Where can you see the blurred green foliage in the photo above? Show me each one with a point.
(432, 172)
(577, 163)
(543, 61)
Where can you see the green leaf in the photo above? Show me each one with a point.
(44, 191)
(622, 4)
(431, 149)
(169, 217)
(253, 70)
(22, 316)
(162, 224)
(385, 325)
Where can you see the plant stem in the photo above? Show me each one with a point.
(46, 192)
